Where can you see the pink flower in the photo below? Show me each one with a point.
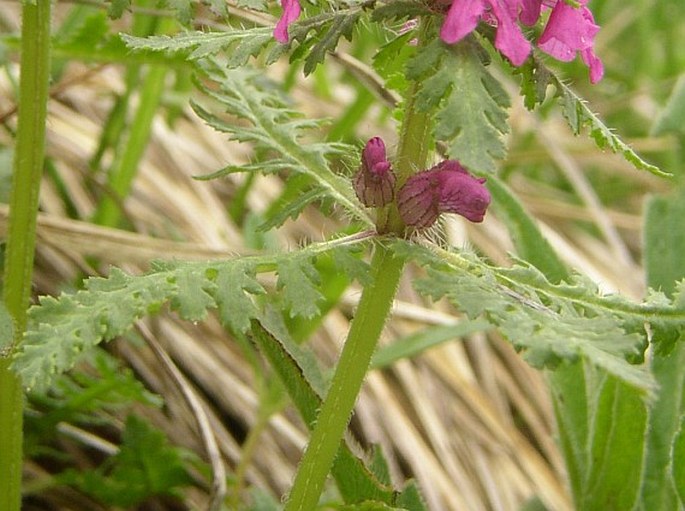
(568, 31)
(571, 30)
(291, 11)
(374, 183)
(446, 188)
(463, 16)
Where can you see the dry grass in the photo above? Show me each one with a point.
(469, 419)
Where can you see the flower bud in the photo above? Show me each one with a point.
(374, 182)
(445, 188)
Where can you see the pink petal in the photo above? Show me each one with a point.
(291, 11)
(530, 11)
(509, 39)
(568, 31)
(594, 63)
(461, 19)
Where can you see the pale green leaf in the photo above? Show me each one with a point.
(274, 127)
(471, 105)
(550, 323)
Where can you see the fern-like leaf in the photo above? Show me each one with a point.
(275, 128)
(237, 45)
(62, 328)
(536, 77)
(471, 104)
(551, 323)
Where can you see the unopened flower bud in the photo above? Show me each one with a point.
(445, 188)
(374, 183)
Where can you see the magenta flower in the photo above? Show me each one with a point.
(463, 16)
(568, 31)
(446, 188)
(571, 30)
(291, 11)
(374, 183)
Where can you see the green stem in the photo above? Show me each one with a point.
(354, 361)
(21, 235)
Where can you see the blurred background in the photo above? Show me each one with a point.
(467, 418)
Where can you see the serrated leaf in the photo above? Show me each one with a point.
(550, 323)
(274, 128)
(579, 115)
(535, 79)
(318, 35)
(299, 279)
(238, 45)
(471, 105)
(399, 9)
(236, 308)
(61, 329)
(194, 295)
(292, 208)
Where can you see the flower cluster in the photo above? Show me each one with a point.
(445, 188)
(569, 30)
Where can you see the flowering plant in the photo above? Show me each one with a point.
(421, 170)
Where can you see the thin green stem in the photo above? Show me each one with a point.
(354, 361)
(21, 235)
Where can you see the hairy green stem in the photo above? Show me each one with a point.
(354, 361)
(373, 309)
(21, 234)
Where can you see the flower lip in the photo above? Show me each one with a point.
(445, 188)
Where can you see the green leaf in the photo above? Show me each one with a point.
(549, 323)
(318, 35)
(147, 465)
(615, 465)
(579, 115)
(234, 284)
(276, 129)
(299, 279)
(535, 78)
(194, 295)
(471, 105)
(238, 45)
(61, 329)
(664, 244)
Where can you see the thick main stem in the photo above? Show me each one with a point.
(21, 235)
(354, 361)
(373, 309)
